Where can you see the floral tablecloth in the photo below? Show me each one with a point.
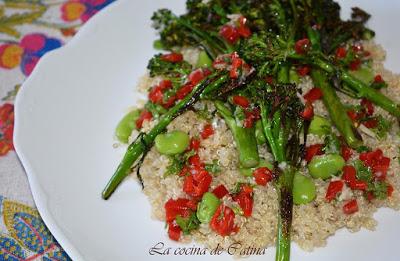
(28, 29)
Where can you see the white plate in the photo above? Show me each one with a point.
(65, 118)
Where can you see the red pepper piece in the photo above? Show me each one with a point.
(262, 176)
(350, 207)
(220, 191)
(313, 150)
(144, 116)
(174, 231)
(243, 30)
(198, 184)
(346, 152)
(245, 200)
(172, 57)
(349, 174)
(180, 206)
(313, 94)
(308, 112)
(223, 221)
(184, 90)
(241, 101)
(194, 144)
(368, 106)
(303, 70)
(229, 33)
(355, 65)
(207, 131)
(302, 46)
(334, 188)
(341, 52)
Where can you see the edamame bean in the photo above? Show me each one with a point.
(171, 143)
(325, 166)
(126, 126)
(207, 207)
(248, 172)
(203, 60)
(260, 136)
(320, 126)
(304, 190)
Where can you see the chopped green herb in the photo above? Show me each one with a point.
(188, 224)
(363, 148)
(383, 126)
(213, 167)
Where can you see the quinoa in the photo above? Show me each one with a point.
(313, 223)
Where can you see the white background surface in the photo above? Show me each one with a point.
(65, 117)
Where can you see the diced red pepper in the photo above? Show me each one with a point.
(308, 112)
(313, 94)
(313, 150)
(390, 190)
(172, 57)
(370, 124)
(269, 79)
(352, 115)
(370, 195)
(245, 200)
(378, 79)
(350, 207)
(170, 102)
(181, 206)
(358, 185)
(341, 52)
(302, 46)
(349, 174)
(236, 64)
(303, 70)
(174, 231)
(346, 152)
(241, 101)
(195, 160)
(207, 131)
(358, 48)
(156, 95)
(194, 144)
(355, 65)
(198, 184)
(196, 76)
(223, 221)
(334, 188)
(184, 90)
(377, 162)
(262, 176)
(229, 33)
(368, 106)
(220, 191)
(145, 115)
(165, 85)
(185, 170)
(243, 29)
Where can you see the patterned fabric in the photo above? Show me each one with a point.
(28, 30)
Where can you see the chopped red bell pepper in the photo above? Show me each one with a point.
(378, 79)
(156, 95)
(207, 131)
(308, 112)
(350, 207)
(302, 46)
(243, 29)
(368, 105)
(390, 190)
(241, 101)
(172, 57)
(262, 176)
(313, 94)
(223, 221)
(220, 191)
(145, 115)
(174, 231)
(303, 70)
(371, 123)
(355, 65)
(198, 184)
(181, 206)
(352, 115)
(349, 174)
(334, 188)
(229, 33)
(313, 150)
(377, 162)
(245, 200)
(196, 76)
(184, 90)
(194, 144)
(341, 52)
(236, 64)
(346, 152)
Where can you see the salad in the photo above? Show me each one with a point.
(266, 122)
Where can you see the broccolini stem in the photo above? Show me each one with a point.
(137, 148)
(244, 137)
(336, 110)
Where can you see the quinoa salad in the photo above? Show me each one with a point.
(266, 122)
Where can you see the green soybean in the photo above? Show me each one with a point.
(171, 143)
(203, 60)
(326, 165)
(207, 207)
(248, 172)
(260, 136)
(304, 190)
(126, 126)
(320, 126)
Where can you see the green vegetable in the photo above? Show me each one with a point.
(320, 126)
(304, 190)
(126, 126)
(203, 60)
(207, 207)
(213, 167)
(325, 166)
(364, 74)
(173, 142)
(294, 77)
(260, 136)
(188, 224)
(244, 137)
(157, 44)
